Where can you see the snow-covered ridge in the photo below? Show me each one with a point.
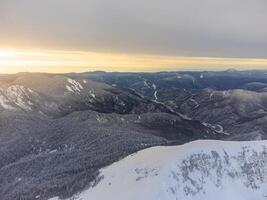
(201, 170)
(17, 97)
(74, 86)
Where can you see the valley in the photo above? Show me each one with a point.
(58, 131)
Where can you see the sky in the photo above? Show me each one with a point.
(126, 35)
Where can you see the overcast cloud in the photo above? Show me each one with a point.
(221, 28)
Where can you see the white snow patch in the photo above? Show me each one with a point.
(69, 88)
(20, 96)
(217, 127)
(53, 151)
(201, 170)
(101, 119)
(74, 86)
(19, 179)
(225, 93)
(211, 95)
(5, 103)
(184, 116)
(146, 84)
(92, 94)
(155, 95)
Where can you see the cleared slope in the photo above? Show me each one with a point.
(195, 171)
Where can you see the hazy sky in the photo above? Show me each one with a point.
(178, 28)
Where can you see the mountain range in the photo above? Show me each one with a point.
(58, 131)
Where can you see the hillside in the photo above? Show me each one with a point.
(196, 171)
(58, 130)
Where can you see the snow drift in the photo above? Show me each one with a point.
(201, 170)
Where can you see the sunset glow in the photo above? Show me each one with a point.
(12, 61)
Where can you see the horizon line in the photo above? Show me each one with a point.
(136, 72)
(59, 61)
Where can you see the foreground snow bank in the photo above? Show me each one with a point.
(201, 170)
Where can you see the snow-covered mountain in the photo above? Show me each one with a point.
(240, 113)
(232, 102)
(58, 130)
(201, 170)
(59, 95)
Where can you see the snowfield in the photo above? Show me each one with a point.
(17, 97)
(200, 170)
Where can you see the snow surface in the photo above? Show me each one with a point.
(155, 95)
(5, 103)
(201, 170)
(74, 86)
(17, 96)
(146, 84)
(92, 94)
